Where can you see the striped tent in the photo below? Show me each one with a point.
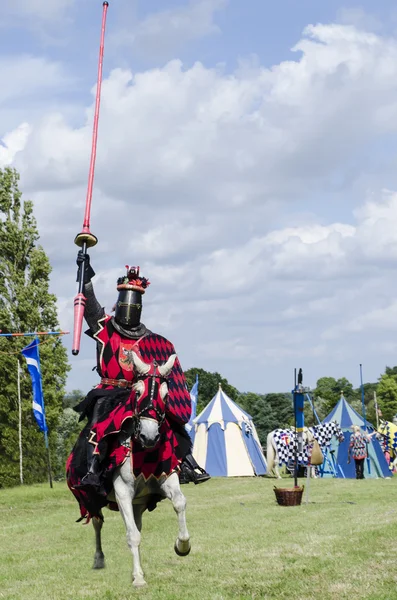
(346, 416)
(225, 441)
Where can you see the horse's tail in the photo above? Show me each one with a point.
(270, 453)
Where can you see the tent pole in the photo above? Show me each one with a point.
(364, 415)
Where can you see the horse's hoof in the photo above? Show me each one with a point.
(182, 548)
(139, 583)
(99, 563)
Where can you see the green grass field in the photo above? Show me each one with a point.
(342, 544)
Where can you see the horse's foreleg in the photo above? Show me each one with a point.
(99, 558)
(124, 496)
(172, 490)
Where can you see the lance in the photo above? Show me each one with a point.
(85, 239)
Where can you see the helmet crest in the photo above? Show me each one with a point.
(133, 281)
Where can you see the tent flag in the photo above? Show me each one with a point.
(31, 353)
(193, 398)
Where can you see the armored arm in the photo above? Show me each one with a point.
(93, 310)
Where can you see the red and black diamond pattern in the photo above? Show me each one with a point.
(114, 352)
(156, 347)
(115, 362)
(159, 462)
(162, 460)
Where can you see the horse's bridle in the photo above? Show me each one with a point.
(155, 380)
(339, 435)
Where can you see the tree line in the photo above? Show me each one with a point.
(270, 411)
(26, 304)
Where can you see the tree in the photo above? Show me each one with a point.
(25, 305)
(68, 431)
(330, 390)
(263, 416)
(357, 403)
(282, 408)
(320, 406)
(391, 371)
(72, 398)
(387, 396)
(208, 386)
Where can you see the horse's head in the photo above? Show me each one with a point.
(337, 431)
(151, 391)
(383, 427)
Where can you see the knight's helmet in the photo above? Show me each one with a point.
(131, 288)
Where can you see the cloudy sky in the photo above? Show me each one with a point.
(247, 161)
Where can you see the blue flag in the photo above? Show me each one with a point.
(193, 398)
(31, 353)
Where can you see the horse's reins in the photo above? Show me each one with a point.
(152, 389)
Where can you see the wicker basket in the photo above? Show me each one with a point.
(289, 496)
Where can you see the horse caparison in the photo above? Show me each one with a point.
(281, 444)
(151, 396)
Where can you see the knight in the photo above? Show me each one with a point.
(117, 337)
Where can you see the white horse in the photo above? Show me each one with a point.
(272, 456)
(281, 445)
(151, 384)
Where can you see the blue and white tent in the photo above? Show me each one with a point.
(225, 440)
(346, 416)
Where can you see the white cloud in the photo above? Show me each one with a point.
(245, 138)
(200, 178)
(13, 142)
(28, 77)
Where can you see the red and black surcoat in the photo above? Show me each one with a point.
(115, 362)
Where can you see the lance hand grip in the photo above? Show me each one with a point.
(79, 306)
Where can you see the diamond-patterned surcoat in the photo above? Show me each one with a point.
(115, 362)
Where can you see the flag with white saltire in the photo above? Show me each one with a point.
(31, 353)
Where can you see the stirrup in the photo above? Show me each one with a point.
(201, 477)
(182, 478)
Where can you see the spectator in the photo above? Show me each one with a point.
(358, 449)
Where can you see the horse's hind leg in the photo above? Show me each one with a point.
(138, 510)
(99, 558)
(172, 490)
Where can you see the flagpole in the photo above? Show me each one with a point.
(20, 424)
(48, 457)
(31, 353)
(376, 411)
(45, 428)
